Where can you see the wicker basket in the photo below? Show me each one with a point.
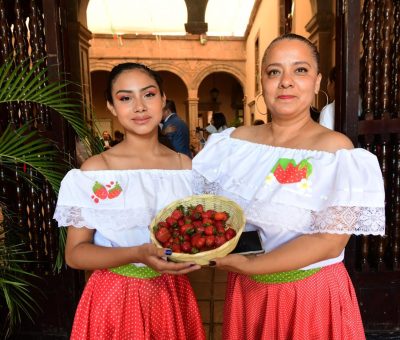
(218, 203)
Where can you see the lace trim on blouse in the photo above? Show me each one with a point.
(333, 219)
(103, 219)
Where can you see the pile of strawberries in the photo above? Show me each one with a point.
(193, 229)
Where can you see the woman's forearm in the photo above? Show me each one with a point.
(88, 256)
(298, 253)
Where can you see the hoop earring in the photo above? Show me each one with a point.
(326, 96)
(257, 98)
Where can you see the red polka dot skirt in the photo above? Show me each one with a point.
(321, 307)
(117, 307)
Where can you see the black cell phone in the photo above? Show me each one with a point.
(249, 243)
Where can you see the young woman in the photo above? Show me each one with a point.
(108, 205)
(306, 189)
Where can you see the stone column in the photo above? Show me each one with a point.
(193, 109)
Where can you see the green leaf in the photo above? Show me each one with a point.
(24, 148)
(307, 164)
(283, 162)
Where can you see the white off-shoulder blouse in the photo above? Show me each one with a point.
(118, 204)
(288, 192)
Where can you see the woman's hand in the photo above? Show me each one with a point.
(155, 258)
(233, 263)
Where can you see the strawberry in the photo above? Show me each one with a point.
(186, 229)
(186, 237)
(219, 240)
(176, 248)
(176, 240)
(210, 241)
(210, 213)
(167, 244)
(198, 241)
(177, 214)
(162, 224)
(219, 224)
(287, 171)
(163, 235)
(200, 229)
(199, 208)
(100, 190)
(221, 216)
(220, 230)
(230, 233)
(115, 191)
(207, 221)
(197, 224)
(186, 247)
(209, 230)
(206, 215)
(171, 221)
(195, 215)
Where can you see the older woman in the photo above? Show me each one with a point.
(306, 189)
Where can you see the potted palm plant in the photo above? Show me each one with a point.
(27, 82)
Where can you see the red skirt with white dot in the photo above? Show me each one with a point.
(321, 307)
(116, 307)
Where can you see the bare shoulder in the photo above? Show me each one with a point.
(95, 162)
(331, 141)
(245, 132)
(186, 161)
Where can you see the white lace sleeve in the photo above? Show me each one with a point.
(332, 220)
(103, 219)
(70, 216)
(350, 220)
(202, 186)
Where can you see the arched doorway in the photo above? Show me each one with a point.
(220, 92)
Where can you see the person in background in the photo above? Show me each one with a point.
(106, 140)
(108, 205)
(258, 122)
(327, 115)
(217, 124)
(118, 137)
(163, 139)
(175, 129)
(308, 191)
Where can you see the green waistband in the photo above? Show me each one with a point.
(284, 277)
(134, 271)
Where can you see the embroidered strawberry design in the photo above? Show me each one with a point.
(288, 171)
(100, 190)
(114, 191)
